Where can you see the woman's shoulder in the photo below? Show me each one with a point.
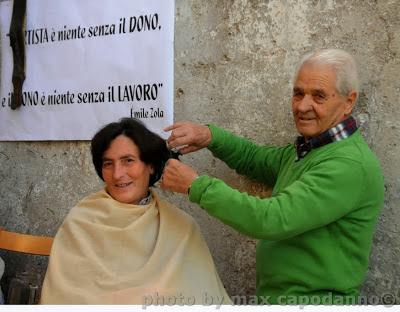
(88, 202)
(100, 194)
(165, 206)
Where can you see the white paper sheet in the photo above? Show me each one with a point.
(89, 63)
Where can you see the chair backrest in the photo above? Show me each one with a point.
(31, 244)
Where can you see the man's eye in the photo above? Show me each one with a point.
(297, 94)
(319, 96)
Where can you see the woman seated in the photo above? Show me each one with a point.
(125, 244)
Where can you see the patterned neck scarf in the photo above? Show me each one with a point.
(337, 133)
(146, 200)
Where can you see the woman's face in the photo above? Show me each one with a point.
(126, 176)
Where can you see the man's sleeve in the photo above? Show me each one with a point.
(261, 163)
(322, 195)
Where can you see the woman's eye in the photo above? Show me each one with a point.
(129, 160)
(106, 164)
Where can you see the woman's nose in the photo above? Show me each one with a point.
(118, 172)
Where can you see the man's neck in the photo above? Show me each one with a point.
(340, 131)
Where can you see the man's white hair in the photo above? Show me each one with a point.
(342, 63)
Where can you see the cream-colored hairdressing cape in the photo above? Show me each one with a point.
(107, 252)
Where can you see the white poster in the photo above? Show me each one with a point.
(89, 63)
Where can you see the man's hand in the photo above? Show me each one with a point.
(188, 137)
(177, 177)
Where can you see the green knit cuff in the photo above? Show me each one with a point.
(198, 187)
(216, 135)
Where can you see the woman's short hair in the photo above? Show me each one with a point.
(343, 64)
(152, 148)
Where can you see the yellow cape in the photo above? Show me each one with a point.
(107, 252)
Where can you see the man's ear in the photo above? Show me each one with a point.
(350, 102)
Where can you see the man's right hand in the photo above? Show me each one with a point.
(188, 136)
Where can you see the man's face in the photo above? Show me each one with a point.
(316, 104)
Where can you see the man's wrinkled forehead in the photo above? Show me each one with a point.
(317, 76)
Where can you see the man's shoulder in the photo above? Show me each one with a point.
(352, 157)
(353, 148)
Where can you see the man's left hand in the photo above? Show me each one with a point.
(177, 177)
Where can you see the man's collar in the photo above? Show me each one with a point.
(339, 132)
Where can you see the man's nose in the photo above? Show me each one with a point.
(118, 171)
(305, 104)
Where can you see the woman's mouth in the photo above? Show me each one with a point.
(122, 185)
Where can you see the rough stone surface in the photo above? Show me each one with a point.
(234, 61)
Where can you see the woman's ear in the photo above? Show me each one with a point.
(151, 169)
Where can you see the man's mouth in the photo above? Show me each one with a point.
(306, 118)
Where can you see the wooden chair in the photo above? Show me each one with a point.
(22, 290)
(30, 244)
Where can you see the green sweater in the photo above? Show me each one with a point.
(316, 229)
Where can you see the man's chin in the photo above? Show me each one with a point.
(307, 133)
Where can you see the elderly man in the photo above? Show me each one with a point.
(316, 229)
